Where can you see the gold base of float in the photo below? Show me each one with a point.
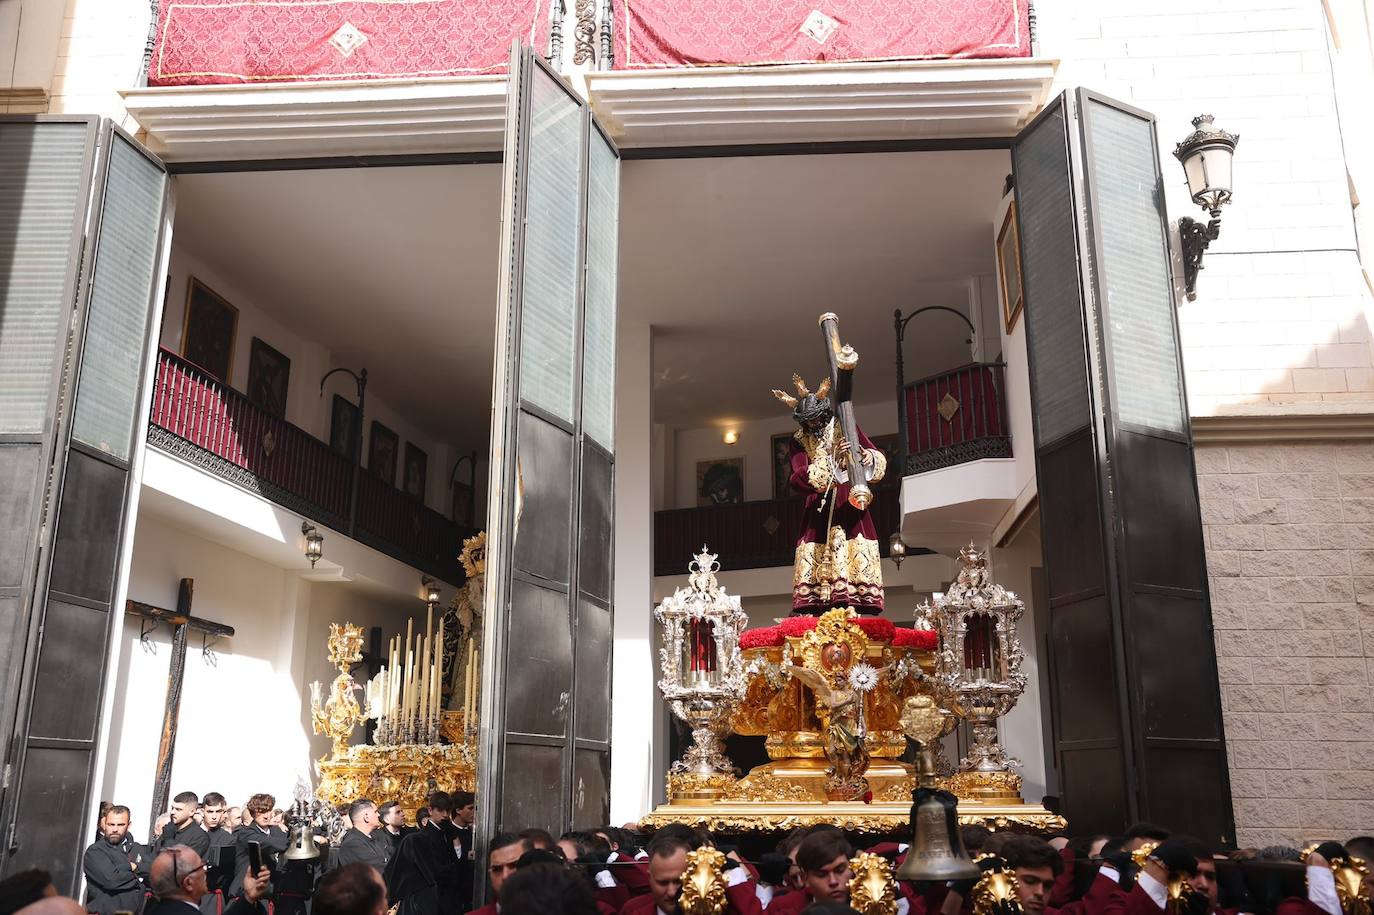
(886, 817)
(405, 774)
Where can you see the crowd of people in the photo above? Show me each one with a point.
(237, 861)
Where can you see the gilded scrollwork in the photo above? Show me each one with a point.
(872, 888)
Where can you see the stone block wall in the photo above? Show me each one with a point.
(1290, 558)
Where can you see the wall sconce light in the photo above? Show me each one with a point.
(431, 589)
(314, 543)
(731, 436)
(896, 548)
(1206, 156)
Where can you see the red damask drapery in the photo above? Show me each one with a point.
(243, 41)
(686, 33)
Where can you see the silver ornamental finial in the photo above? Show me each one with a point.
(702, 570)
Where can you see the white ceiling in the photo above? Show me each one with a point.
(730, 259)
(733, 260)
(393, 269)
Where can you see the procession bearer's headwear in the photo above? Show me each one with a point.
(807, 407)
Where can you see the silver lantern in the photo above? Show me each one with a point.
(703, 675)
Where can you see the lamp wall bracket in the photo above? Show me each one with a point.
(1194, 238)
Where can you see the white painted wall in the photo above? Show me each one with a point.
(240, 725)
(305, 407)
(638, 732)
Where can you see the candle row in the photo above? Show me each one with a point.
(405, 696)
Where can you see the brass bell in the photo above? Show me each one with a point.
(937, 850)
(302, 847)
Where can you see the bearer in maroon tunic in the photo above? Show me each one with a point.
(837, 562)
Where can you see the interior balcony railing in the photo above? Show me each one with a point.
(204, 421)
(750, 535)
(953, 418)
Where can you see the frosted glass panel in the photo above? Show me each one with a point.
(549, 303)
(107, 398)
(1049, 264)
(1138, 302)
(42, 201)
(603, 212)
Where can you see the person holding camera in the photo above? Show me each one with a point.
(177, 878)
(270, 840)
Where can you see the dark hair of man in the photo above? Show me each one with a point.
(506, 840)
(421, 815)
(358, 806)
(354, 889)
(1362, 847)
(791, 840)
(1147, 831)
(116, 808)
(818, 850)
(386, 808)
(662, 846)
(23, 888)
(695, 838)
(463, 799)
(440, 800)
(541, 889)
(1081, 846)
(1031, 851)
(1194, 846)
(187, 797)
(212, 799)
(992, 845)
(974, 836)
(540, 856)
(261, 803)
(539, 838)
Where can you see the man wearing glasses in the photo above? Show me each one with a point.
(178, 883)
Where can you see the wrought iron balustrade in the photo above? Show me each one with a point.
(953, 417)
(199, 418)
(749, 535)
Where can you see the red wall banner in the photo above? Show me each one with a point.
(241, 41)
(689, 33)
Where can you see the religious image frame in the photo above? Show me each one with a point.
(200, 296)
(377, 443)
(780, 454)
(1009, 267)
(418, 461)
(269, 377)
(735, 463)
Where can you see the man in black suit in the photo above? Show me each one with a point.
(115, 866)
(422, 877)
(272, 840)
(362, 844)
(182, 828)
(178, 883)
(394, 827)
(464, 815)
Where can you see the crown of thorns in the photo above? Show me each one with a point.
(822, 391)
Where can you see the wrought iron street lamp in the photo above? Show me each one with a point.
(314, 543)
(1206, 155)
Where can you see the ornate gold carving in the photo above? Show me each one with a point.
(406, 774)
(834, 645)
(338, 715)
(922, 719)
(979, 785)
(854, 816)
(1352, 885)
(898, 792)
(995, 891)
(872, 889)
(1143, 853)
(691, 787)
(765, 788)
(703, 883)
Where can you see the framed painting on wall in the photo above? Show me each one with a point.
(343, 425)
(720, 481)
(381, 453)
(208, 331)
(780, 447)
(416, 469)
(269, 373)
(1009, 268)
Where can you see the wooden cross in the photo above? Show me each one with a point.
(181, 622)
